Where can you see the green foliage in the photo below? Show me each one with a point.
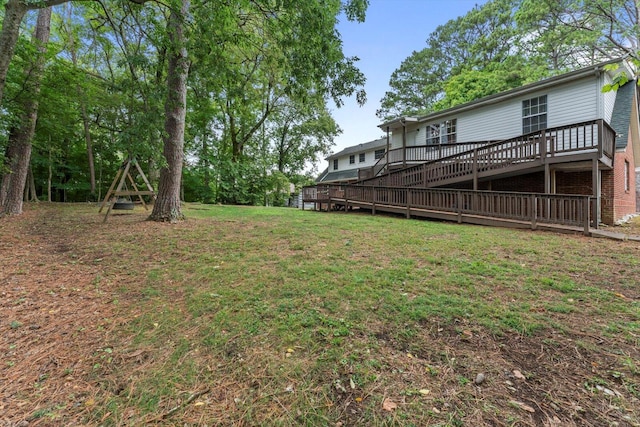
(506, 43)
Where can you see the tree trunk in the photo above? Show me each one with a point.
(14, 12)
(167, 205)
(19, 146)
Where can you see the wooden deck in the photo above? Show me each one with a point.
(406, 181)
(518, 210)
(435, 166)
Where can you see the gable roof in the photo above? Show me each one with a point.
(621, 117)
(498, 97)
(360, 148)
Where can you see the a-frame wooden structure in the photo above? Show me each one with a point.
(121, 177)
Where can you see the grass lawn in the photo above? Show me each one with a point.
(251, 316)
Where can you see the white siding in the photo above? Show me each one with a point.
(574, 102)
(343, 161)
(609, 100)
(570, 103)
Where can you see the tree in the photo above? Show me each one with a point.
(481, 38)
(14, 13)
(167, 205)
(18, 154)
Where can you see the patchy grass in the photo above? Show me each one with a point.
(267, 316)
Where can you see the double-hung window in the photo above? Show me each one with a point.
(352, 159)
(442, 133)
(448, 132)
(361, 157)
(378, 154)
(335, 164)
(534, 114)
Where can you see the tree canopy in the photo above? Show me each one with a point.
(260, 75)
(504, 44)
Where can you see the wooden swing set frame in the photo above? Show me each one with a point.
(121, 177)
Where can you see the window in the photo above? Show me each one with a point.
(335, 164)
(442, 133)
(378, 154)
(627, 184)
(361, 157)
(433, 134)
(534, 114)
(448, 132)
(352, 159)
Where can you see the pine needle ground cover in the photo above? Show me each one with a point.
(244, 316)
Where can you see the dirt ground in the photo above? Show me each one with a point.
(56, 323)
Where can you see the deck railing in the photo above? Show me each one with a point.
(569, 210)
(417, 154)
(594, 137)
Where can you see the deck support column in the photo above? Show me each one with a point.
(587, 220)
(534, 212)
(547, 178)
(595, 178)
(408, 203)
(475, 169)
(373, 200)
(387, 144)
(404, 143)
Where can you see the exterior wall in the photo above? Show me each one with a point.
(568, 103)
(529, 183)
(609, 100)
(343, 161)
(622, 202)
(574, 183)
(637, 189)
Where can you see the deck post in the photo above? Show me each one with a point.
(404, 143)
(586, 209)
(534, 212)
(373, 200)
(459, 206)
(408, 203)
(475, 169)
(595, 178)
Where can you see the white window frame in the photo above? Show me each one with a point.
(534, 114)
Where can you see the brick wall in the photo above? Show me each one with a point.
(624, 201)
(529, 183)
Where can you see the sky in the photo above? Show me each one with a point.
(393, 29)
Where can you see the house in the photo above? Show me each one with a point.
(344, 165)
(559, 136)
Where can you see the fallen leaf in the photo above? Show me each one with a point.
(424, 391)
(389, 405)
(290, 350)
(198, 403)
(619, 295)
(358, 399)
(410, 356)
(351, 383)
(518, 375)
